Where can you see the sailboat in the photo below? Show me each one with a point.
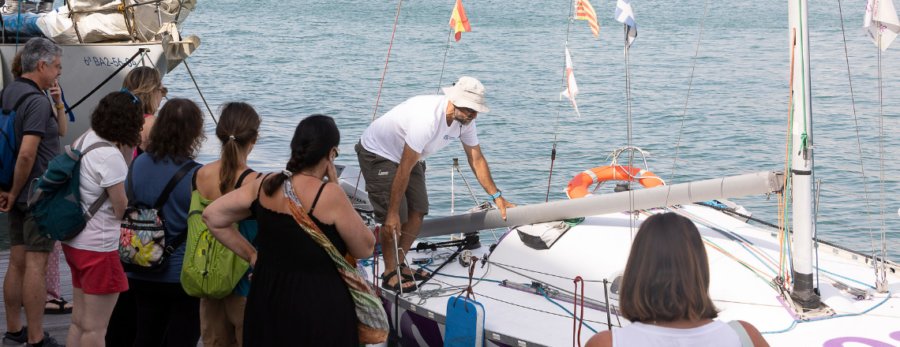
(797, 290)
(102, 41)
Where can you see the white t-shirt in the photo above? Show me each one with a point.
(638, 334)
(420, 122)
(101, 168)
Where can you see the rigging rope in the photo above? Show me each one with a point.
(383, 73)
(687, 99)
(445, 61)
(559, 105)
(201, 93)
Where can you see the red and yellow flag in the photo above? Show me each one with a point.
(459, 22)
(586, 12)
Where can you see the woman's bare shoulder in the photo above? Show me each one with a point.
(602, 339)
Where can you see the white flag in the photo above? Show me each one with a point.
(624, 15)
(881, 23)
(571, 86)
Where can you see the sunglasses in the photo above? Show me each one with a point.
(129, 93)
(337, 152)
(164, 91)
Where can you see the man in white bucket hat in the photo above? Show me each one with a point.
(391, 157)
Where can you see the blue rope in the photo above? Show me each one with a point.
(564, 309)
(721, 231)
(832, 317)
(846, 278)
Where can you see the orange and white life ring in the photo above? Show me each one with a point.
(578, 186)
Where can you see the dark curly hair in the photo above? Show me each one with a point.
(117, 118)
(177, 133)
(313, 140)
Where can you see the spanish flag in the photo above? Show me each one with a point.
(586, 12)
(458, 21)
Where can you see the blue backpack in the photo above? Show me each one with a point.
(9, 150)
(56, 199)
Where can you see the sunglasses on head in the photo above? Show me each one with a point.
(129, 93)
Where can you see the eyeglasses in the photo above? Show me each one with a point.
(164, 91)
(129, 93)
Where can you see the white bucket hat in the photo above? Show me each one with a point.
(469, 93)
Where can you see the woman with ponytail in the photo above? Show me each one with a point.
(222, 320)
(297, 293)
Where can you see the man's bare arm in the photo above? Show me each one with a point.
(479, 165)
(401, 180)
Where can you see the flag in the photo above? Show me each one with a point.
(458, 20)
(571, 86)
(586, 12)
(624, 15)
(881, 23)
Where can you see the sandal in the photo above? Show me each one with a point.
(60, 309)
(418, 275)
(397, 287)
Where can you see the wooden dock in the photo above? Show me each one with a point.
(55, 324)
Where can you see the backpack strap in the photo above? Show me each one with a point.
(742, 333)
(240, 180)
(129, 185)
(103, 197)
(316, 200)
(164, 196)
(176, 242)
(194, 181)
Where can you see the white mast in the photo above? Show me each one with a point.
(802, 161)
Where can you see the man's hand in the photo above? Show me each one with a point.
(391, 226)
(502, 204)
(5, 203)
(55, 93)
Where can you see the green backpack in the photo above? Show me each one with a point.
(55, 200)
(210, 271)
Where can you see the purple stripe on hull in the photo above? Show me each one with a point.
(427, 329)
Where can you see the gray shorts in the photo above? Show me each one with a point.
(379, 173)
(23, 231)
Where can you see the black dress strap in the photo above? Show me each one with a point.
(194, 180)
(258, 190)
(240, 179)
(313, 207)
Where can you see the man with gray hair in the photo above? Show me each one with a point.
(37, 139)
(391, 157)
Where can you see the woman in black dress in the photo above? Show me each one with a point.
(297, 296)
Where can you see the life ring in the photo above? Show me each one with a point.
(578, 186)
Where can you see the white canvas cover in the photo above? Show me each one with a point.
(110, 25)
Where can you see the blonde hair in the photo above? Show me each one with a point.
(142, 82)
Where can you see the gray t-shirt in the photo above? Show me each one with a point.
(34, 117)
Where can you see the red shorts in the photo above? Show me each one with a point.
(96, 273)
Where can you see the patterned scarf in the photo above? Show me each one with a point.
(372, 320)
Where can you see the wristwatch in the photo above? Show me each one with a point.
(495, 196)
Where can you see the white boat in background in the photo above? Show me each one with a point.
(796, 289)
(97, 41)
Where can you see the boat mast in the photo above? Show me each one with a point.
(802, 162)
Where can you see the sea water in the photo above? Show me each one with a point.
(291, 59)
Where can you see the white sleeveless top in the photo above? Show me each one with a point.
(637, 334)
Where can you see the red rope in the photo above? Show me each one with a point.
(575, 310)
(383, 73)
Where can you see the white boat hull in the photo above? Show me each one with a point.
(598, 249)
(86, 66)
